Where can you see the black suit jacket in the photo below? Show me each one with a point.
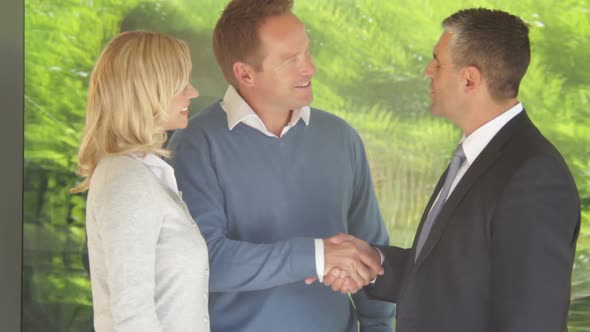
(499, 256)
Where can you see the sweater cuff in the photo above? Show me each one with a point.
(302, 258)
(319, 259)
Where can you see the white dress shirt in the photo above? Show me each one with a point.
(474, 144)
(479, 139)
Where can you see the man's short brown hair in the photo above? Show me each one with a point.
(495, 42)
(235, 37)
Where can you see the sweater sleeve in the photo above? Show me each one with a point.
(235, 265)
(365, 222)
(128, 225)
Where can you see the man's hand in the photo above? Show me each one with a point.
(350, 262)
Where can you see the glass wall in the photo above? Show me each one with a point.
(370, 56)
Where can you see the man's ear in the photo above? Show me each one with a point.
(244, 73)
(472, 79)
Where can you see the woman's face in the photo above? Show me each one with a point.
(177, 116)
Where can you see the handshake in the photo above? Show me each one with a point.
(349, 264)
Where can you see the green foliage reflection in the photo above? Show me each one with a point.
(370, 55)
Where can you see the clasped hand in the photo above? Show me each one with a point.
(350, 264)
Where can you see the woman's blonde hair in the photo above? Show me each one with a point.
(131, 87)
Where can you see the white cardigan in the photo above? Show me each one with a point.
(148, 261)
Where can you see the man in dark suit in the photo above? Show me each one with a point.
(495, 247)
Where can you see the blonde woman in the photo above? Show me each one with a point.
(148, 260)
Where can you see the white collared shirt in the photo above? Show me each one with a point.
(237, 110)
(474, 144)
(479, 139)
(160, 168)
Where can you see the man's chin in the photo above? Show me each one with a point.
(435, 111)
(303, 103)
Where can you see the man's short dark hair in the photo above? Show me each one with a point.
(495, 42)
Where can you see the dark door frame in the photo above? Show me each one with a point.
(11, 161)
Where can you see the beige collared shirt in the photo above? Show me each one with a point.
(238, 110)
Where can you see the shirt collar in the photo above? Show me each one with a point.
(238, 110)
(161, 169)
(479, 139)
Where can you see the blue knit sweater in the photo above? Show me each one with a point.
(260, 201)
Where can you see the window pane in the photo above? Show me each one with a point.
(370, 55)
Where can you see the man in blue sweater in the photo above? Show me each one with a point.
(269, 180)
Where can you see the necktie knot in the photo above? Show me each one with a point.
(458, 159)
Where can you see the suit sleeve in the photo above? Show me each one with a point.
(534, 231)
(388, 286)
(365, 222)
(234, 265)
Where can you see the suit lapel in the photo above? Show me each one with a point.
(480, 165)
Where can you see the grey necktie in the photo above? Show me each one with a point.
(456, 162)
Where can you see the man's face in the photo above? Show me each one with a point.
(284, 82)
(445, 81)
